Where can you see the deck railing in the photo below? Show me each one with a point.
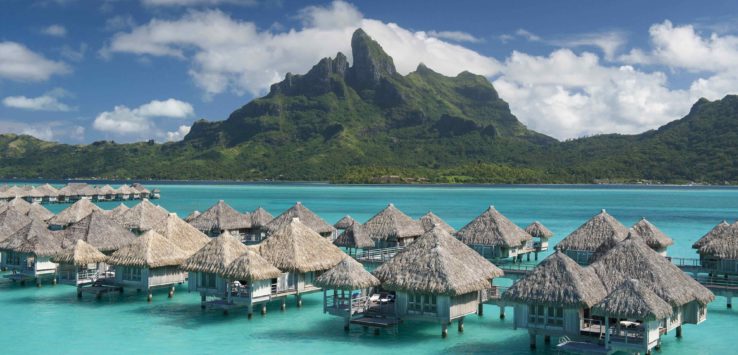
(718, 282)
(378, 255)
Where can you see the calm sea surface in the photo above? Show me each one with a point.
(51, 320)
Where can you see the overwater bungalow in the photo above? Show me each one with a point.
(124, 193)
(192, 216)
(182, 234)
(27, 253)
(116, 212)
(437, 278)
(87, 192)
(720, 256)
(68, 193)
(494, 236)
(39, 212)
(11, 193)
(538, 231)
(343, 223)
(143, 192)
(259, 220)
(346, 290)
(221, 218)
(392, 228)
(19, 204)
(251, 280)
(73, 214)
(80, 264)
(106, 193)
(654, 237)
(98, 230)
(307, 217)
(150, 261)
(720, 230)
(300, 251)
(354, 238)
(142, 217)
(583, 242)
(11, 220)
(34, 195)
(155, 194)
(429, 221)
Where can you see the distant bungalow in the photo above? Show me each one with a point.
(429, 221)
(586, 240)
(307, 217)
(73, 214)
(27, 253)
(260, 218)
(392, 228)
(720, 255)
(79, 264)
(538, 231)
(494, 236)
(343, 223)
(75, 191)
(99, 231)
(354, 238)
(142, 217)
(346, 289)
(220, 218)
(654, 237)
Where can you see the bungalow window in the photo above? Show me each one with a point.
(207, 280)
(546, 316)
(430, 304)
(419, 303)
(131, 274)
(555, 316)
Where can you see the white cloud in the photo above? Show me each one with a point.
(338, 14)
(55, 31)
(527, 35)
(179, 134)
(167, 108)
(138, 122)
(74, 55)
(197, 2)
(456, 36)
(47, 102)
(45, 130)
(17, 62)
(608, 42)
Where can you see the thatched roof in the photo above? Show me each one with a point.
(491, 228)
(538, 230)
(632, 300)
(12, 192)
(392, 224)
(118, 211)
(220, 217)
(80, 254)
(306, 216)
(125, 190)
(720, 230)
(140, 188)
(654, 237)
(349, 275)
(19, 204)
(437, 263)
(634, 259)
(182, 234)
(354, 237)
(192, 216)
(98, 230)
(344, 222)
(48, 189)
(11, 220)
(558, 281)
(74, 213)
(252, 267)
(260, 218)
(430, 220)
(590, 235)
(106, 190)
(39, 212)
(143, 216)
(216, 255)
(296, 247)
(35, 192)
(150, 250)
(721, 248)
(34, 238)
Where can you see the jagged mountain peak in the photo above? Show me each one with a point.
(371, 62)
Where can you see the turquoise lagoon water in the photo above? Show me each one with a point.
(52, 320)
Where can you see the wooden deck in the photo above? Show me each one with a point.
(375, 322)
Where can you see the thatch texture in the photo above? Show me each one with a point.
(48, 190)
(429, 221)
(79, 254)
(721, 248)
(654, 237)
(98, 230)
(720, 230)
(296, 247)
(538, 230)
(11, 220)
(216, 255)
(437, 263)
(344, 222)
(251, 267)
(106, 190)
(182, 234)
(632, 300)
(140, 188)
(39, 212)
(19, 204)
(74, 213)
(348, 275)
(144, 216)
(192, 216)
(634, 259)
(392, 224)
(491, 228)
(150, 250)
(354, 237)
(125, 190)
(118, 211)
(33, 238)
(221, 217)
(306, 216)
(260, 218)
(558, 281)
(590, 235)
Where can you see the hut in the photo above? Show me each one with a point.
(150, 261)
(346, 289)
(208, 263)
(720, 230)
(11, 220)
(106, 193)
(344, 223)
(50, 193)
(118, 211)
(39, 212)
(250, 279)
(654, 237)
(538, 231)
(98, 230)
(87, 192)
(354, 238)
(155, 194)
(429, 221)
(19, 204)
(494, 236)
(27, 253)
(69, 192)
(437, 278)
(221, 218)
(259, 220)
(633, 315)
(35, 195)
(307, 217)
(143, 192)
(298, 250)
(191, 216)
(142, 217)
(392, 228)
(583, 242)
(555, 298)
(80, 264)
(720, 256)
(182, 234)
(124, 192)
(73, 214)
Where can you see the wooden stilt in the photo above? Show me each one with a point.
(502, 312)
(79, 292)
(171, 292)
(283, 306)
(251, 311)
(149, 297)
(547, 339)
(299, 300)
(53, 281)
(202, 300)
(528, 256)
(263, 309)
(730, 302)
(444, 329)
(536, 258)
(679, 331)
(532, 341)
(346, 322)
(461, 325)
(480, 309)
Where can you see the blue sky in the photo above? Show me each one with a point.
(77, 71)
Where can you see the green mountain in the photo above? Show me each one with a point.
(367, 123)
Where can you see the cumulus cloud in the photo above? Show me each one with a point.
(55, 31)
(138, 122)
(19, 63)
(46, 130)
(456, 36)
(47, 102)
(178, 135)
(197, 2)
(608, 42)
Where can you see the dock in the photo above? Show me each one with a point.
(72, 192)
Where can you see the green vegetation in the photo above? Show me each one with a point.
(368, 124)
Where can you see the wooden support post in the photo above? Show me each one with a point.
(502, 312)
(23, 282)
(38, 282)
(730, 302)
(376, 331)
(298, 297)
(171, 292)
(53, 281)
(679, 331)
(547, 339)
(202, 300)
(251, 310)
(461, 325)
(536, 258)
(79, 292)
(528, 256)
(225, 311)
(480, 309)
(263, 309)
(532, 341)
(149, 297)
(346, 322)
(444, 329)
